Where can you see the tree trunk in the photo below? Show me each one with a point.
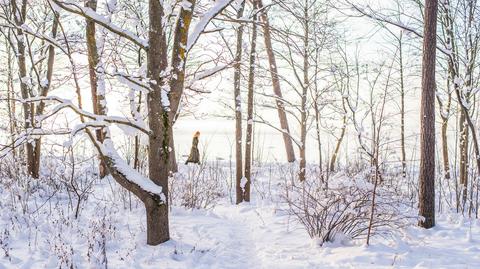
(427, 119)
(157, 222)
(238, 108)
(93, 63)
(306, 84)
(43, 92)
(249, 134)
(177, 79)
(463, 150)
(28, 108)
(402, 110)
(160, 125)
(282, 115)
(446, 161)
(10, 98)
(340, 138)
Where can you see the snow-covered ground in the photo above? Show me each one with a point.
(256, 235)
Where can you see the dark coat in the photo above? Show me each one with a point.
(194, 156)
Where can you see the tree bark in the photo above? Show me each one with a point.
(177, 80)
(251, 85)
(160, 125)
(427, 119)
(28, 108)
(43, 92)
(340, 138)
(463, 150)
(402, 109)
(238, 108)
(282, 115)
(98, 99)
(306, 84)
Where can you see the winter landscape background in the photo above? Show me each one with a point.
(333, 134)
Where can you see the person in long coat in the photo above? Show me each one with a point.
(194, 156)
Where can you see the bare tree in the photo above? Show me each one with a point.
(250, 104)
(427, 119)
(272, 63)
(237, 98)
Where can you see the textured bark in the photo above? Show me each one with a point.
(306, 84)
(159, 123)
(251, 85)
(445, 156)
(93, 60)
(43, 92)
(238, 108)
(28, 108)
(463, 150)
(282, 115)
(177, 80)
(427, 119)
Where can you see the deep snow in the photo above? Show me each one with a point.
(255, 235)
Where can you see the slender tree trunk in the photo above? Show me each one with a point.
(43, 92)
(98, 99)
(402, 109)
(319, 136)
(427, 119)
(238, 108)
(10, 98)
(464, 158)
(249, 134)
(136, 153)
(446, 161)
(340, 138)
(28, 109)
(282, 115)
(177, 80)
(306, 83)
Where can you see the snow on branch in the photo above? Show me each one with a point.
(88, 13)
(107, 149)
(64, 103)
(218, 7)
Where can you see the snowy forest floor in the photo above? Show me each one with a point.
(38, 229)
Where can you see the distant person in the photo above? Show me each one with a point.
(194, 156)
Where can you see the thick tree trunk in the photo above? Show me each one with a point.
(238, 108)
(157, 220)
(282, 115)
(427, 119)
(251, 85)
(160, 125)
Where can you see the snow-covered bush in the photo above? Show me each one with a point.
(342, 208)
